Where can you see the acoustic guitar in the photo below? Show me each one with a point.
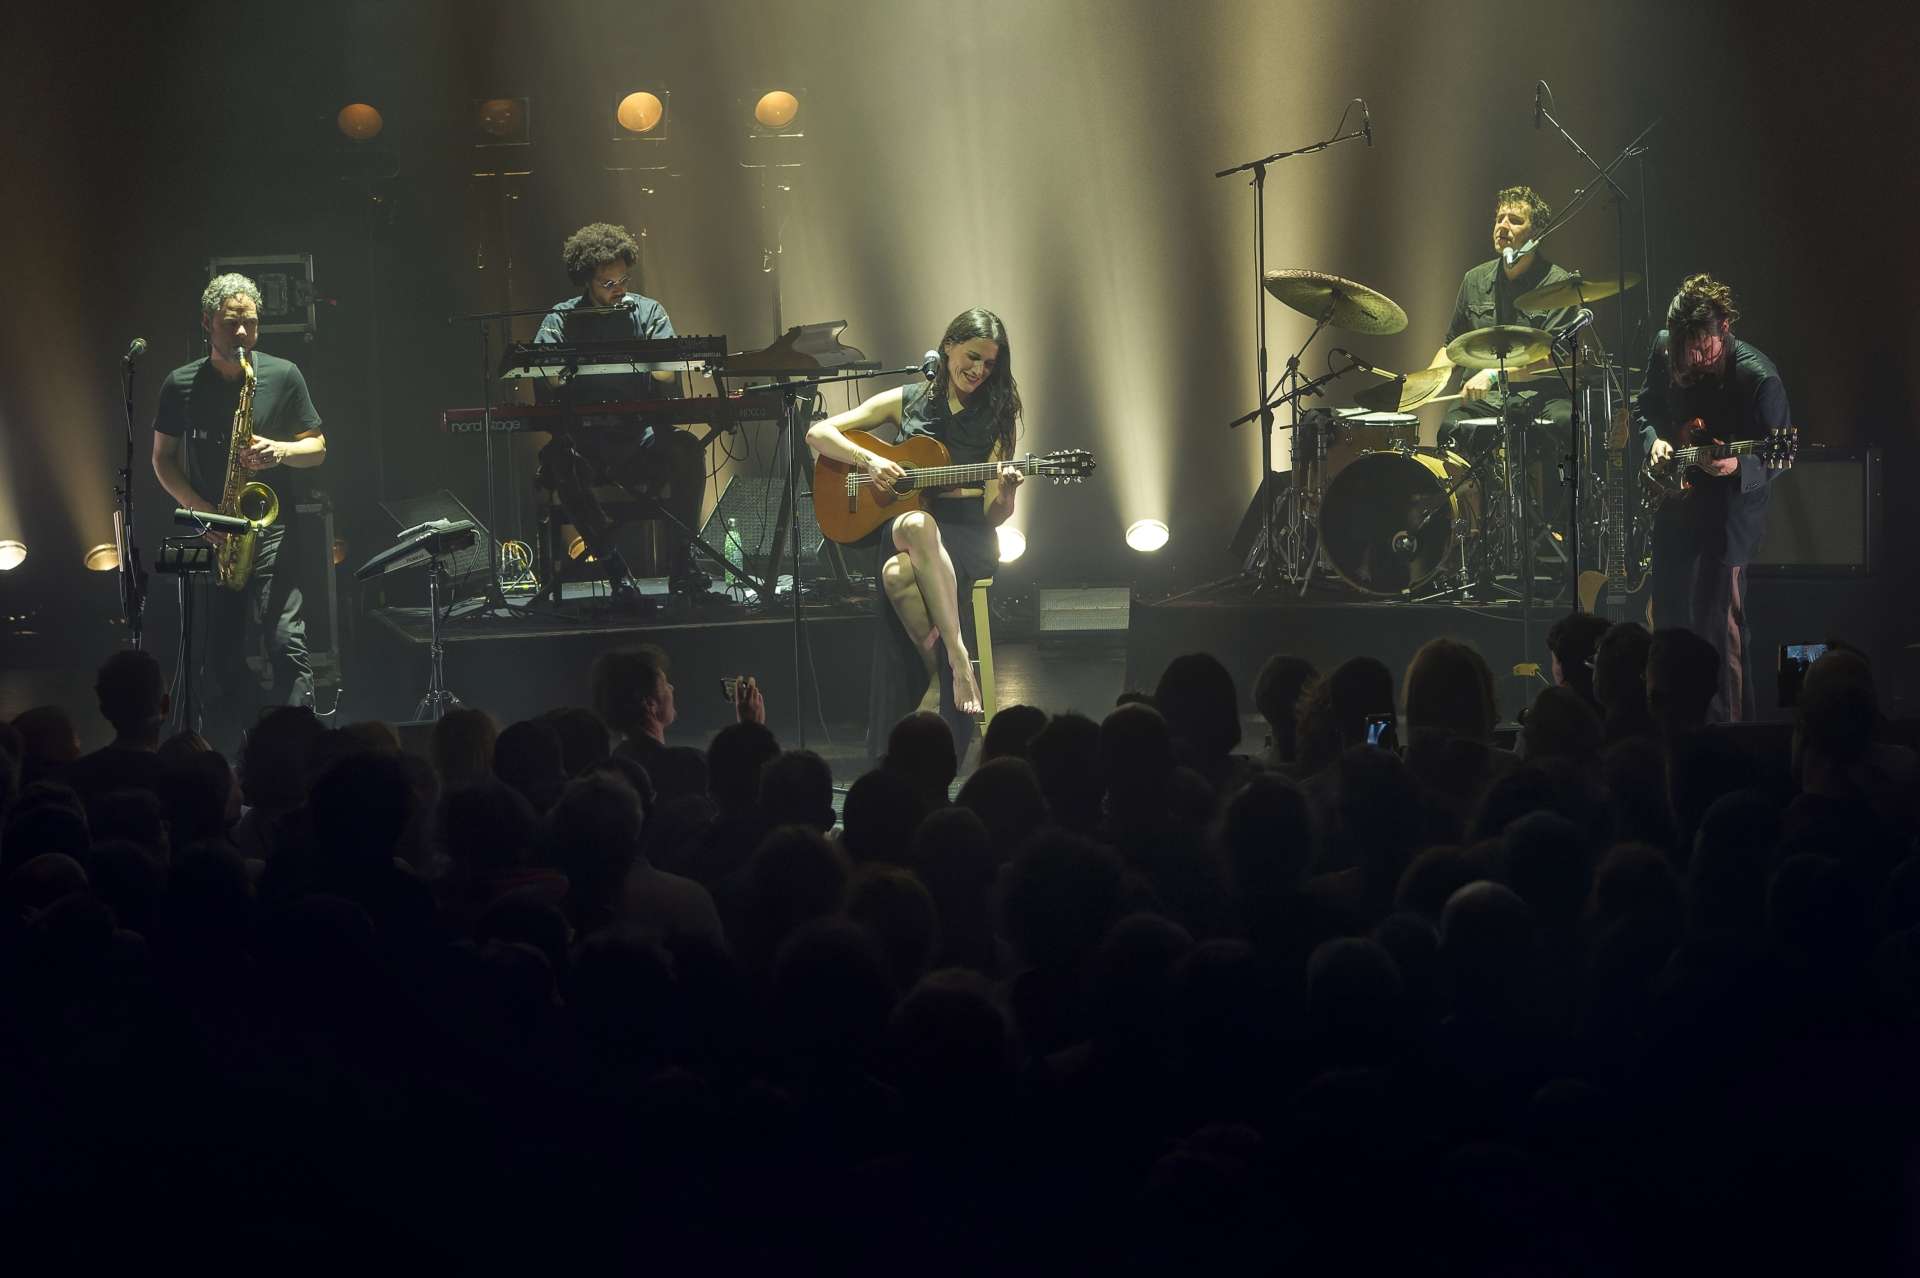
(849, 505)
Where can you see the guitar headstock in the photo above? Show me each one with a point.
(1065, 464)
(1778, 449)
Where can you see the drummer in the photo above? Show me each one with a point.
(1487, 297)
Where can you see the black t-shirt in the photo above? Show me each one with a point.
(646, 321)
(197, 403)
(967, 434)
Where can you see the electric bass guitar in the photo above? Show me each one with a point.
(849, 505)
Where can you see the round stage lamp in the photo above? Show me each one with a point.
(12, 555)
(776, 109)
(359, 121)
(1013, 543)
(639, 112)
(102, 558)
(1147, 535)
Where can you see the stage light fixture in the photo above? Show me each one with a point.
(776, 110)
(359, 121)
(1147, 535)
(1013, 543)
(503, 122)
(642, 113)
(12, 554)
(102, 558)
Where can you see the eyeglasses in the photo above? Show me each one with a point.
(620, 283)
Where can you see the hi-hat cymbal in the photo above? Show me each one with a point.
(1512, 344)
(1344, 303)
(1405, 393)
(1574, 291)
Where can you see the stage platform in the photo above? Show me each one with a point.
(1327, 628)
(1243, 633)
(529, 658)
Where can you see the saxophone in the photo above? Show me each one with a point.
(248, 499)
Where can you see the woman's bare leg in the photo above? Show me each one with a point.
(918, 535)
(902, 585)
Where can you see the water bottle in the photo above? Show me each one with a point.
(735, 557)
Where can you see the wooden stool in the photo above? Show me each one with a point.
(983, 648)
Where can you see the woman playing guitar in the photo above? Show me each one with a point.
(972, 406)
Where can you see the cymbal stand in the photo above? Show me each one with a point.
(1303, 513)
(437, 700)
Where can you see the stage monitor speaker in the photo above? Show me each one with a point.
(1822, 516)
(469, 571)
(753, 503)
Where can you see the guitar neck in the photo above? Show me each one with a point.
(1707, 452)
(955, 475)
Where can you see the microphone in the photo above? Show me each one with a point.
(1578, 322)
(1508, 256)
(930, 364)
(1366, 121)
(210, 519)
(1362, 364)
(1537, 86)
(135, 350)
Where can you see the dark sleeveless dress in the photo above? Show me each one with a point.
(899, 679)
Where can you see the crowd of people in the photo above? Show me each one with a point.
(1629, 993)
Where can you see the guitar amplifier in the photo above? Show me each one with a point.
(1822, 516)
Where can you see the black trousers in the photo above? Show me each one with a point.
(670, 468)
(261, 620)
(1705, 594)
(1546, 445)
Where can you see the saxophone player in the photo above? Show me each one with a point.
(192, 431)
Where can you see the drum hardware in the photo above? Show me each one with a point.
(1327, 298)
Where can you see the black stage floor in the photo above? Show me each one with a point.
(520, 665)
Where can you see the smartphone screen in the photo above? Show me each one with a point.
(1795, 660)
(1380, 732)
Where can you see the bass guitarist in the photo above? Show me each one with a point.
(971, 404)
(1705, 383)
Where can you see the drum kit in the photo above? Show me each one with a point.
(1375, 510)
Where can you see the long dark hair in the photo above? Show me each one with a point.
(1002, 406)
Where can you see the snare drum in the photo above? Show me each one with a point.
(1361, 431)
(1391, 520)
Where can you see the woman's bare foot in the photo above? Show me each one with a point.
(966, 692)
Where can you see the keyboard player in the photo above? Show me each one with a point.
(660, 463)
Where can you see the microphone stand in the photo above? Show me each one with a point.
(133, 578)
(795, 392)
(1268, 577)
(1579, 202)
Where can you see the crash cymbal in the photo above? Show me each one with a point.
(1512, 344)
(1576, 291)
(1354, 306)
(1404, 393)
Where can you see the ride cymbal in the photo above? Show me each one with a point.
(1343, 303)
(1574, 291)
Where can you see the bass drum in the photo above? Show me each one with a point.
(1390, 521)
